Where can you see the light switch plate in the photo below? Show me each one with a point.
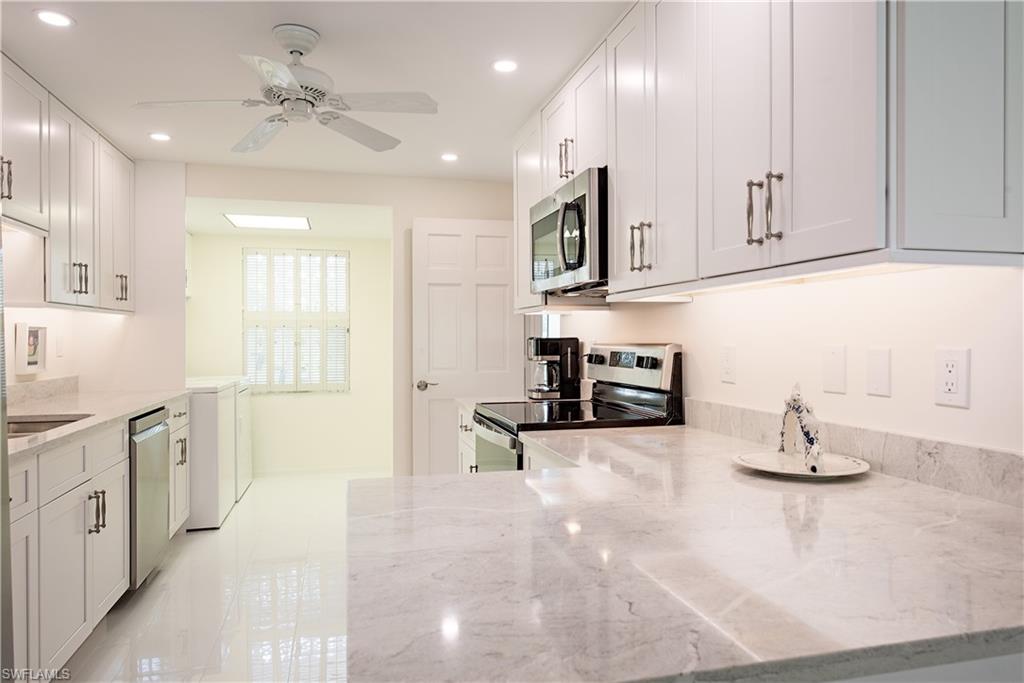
(879, 372)
(953, 377)
(728, 373)
(833, 373)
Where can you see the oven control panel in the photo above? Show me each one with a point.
(641, 365)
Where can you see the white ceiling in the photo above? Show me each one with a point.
(205, 215)
(119, 53)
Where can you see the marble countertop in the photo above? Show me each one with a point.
(658, 557)
(104, 409)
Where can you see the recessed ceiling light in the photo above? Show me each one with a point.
(449, 156)
(505, 66)
(268, 222)
(54, 18)
(159, 137)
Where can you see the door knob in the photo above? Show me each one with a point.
(423, 384)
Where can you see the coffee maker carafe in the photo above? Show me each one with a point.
(553, 367)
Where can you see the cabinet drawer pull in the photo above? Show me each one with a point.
(751, 184)
(768, 178)
(561, 159)
(103, 509)
(6, 175)
(95, 528)
(85, 266)
(568, 171)
(632, 248)
(184, 450)
(473, 469)
(644, 265)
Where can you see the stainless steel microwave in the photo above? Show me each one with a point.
(569, 245)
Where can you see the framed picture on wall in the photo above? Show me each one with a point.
(29, 349)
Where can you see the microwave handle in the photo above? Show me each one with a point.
(560, 235)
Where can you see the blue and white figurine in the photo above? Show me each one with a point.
(799, 436)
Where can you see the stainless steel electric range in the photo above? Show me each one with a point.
(635, 385)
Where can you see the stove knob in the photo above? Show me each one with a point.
(648, 362)
(596, 359)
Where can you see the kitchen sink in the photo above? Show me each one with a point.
(36, 424)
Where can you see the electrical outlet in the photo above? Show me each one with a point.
(953, 377)
(833, 372)
(728, 373)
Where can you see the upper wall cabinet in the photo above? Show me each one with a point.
(792, 147)
(116, 186)
(574, 125)
(25, 143)
(959, 74)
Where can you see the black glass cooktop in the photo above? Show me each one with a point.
(538, 415)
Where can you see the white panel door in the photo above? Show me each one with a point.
(25, 136)
(827, 189)
(85, 182)
(588, 145)
(630, 150)
(25, 590)
(673, 235)
(734, 120)
(557, 128)
(467, 340)
(961, 149)
(110, 564)
(526, 191)
(62, 277)
(65, 555)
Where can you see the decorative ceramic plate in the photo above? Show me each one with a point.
(832, 465)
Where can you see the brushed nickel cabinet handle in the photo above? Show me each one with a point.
(86, 267)
(10, 179)
(561, 159)
(184, 450)
(632, 248)
(644, 265)
(6, 176)
(103, 509)
(95, 528)
(569, 171)
(126, 291)
(768, 178)
(751, 184)
(474, 468)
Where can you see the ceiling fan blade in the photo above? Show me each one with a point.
(259, 136)
(368, 136)
(177, 103)
(401, 102)
(272, 73)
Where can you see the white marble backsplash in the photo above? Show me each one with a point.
(41, 389)
(983, 472)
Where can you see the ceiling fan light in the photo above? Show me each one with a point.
(268, 222)
(54, 18)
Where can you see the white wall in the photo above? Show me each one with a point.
(780, 333)
(302, 432)
(409, 198)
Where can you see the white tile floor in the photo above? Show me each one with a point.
(261, 599)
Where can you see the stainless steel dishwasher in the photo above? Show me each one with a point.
(150, 441)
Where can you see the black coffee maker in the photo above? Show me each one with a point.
(552, 368)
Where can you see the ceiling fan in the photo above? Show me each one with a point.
(304, 93)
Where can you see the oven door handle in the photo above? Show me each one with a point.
(492, 435)
(560, 235)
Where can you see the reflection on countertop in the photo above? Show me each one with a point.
(659, 557)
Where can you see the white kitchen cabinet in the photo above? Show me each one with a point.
(110, 559)
(630, 150)
(557, 120)
(213, 432)
(180, 494)
(959, 133)
(243, 441)
(467, 458)
(116, 229)
(25, 146)
(65, 556)
(791, 155)
(527, 191)
(25, 590)
(73, 277)
(23, 487)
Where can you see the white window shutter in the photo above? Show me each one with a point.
(256, 359)
(336, 378)
(337, 283)
(310, 357)
(283, 280)
(283, 365)
(310, 282)
(257, 280)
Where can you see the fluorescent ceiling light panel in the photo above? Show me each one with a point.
(268, 222)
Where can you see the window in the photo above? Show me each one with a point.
(296, 319)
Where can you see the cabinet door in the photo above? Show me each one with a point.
(672, 240)
(85, 181)
(734, 117)
(467, 457)
(65, 555)
(111, 558)
(588, 144)
(828, 129)
(243, 443)
(62, 279)
(557, 121)
(115, 227)
(25, 144)
(226, 435)
(181, 483)
(25, 590)
(526, 190)
(630, 149)
(959, 140)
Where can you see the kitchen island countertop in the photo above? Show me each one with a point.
(658, 557)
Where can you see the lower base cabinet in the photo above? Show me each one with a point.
(180, 494)
(25, 590)
(467, 457)
(110, 572)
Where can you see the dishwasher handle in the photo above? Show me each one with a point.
(493, 435)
